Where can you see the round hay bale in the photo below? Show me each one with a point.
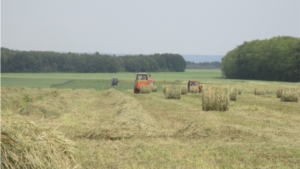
(194, 89)
(184, 90)
(26, 145)
(173, 92)
(154, 89)
(259, 91)
(145, 89)
(289, 95)
(215, 99)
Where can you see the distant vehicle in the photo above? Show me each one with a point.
(141, 79)
(114, 82)
(194, 83)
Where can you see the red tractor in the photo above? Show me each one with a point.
(141, 79)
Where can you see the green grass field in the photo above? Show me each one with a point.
(115, 128)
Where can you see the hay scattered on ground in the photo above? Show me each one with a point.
(184, 90)
(26, 145)
(154, 89)
(145, 89)
(290, 95)
(194, 89)
(233, 94)
(215, 99)
(259, 91)
(173, 92)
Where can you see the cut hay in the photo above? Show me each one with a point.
(184, 90)
(279, 92)
(259, 91)
(233, 94)
(26, 145)
(173, 92)
(153, 88)
(194, 89)
(145, 89)
(289, 95)
(215, 99)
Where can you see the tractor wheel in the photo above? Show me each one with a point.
(135, 90)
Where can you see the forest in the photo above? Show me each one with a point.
(47, 61)
(203, 65)
(276, 59)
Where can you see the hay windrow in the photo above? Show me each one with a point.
(259, 91)
(153, 88)
(233, 94)
(289, 95)
(26, 145)
(194, 89)
(215, 99)
(184, 90)
(145, 89)
(173, 92)
(129, 119)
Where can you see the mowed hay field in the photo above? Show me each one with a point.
(115, 128)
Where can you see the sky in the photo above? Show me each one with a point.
(204, 27)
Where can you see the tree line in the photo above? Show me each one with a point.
(45, 61)
(275, 59)
(203, 65)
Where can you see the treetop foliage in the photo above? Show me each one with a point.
(43, 61)
(275, 59)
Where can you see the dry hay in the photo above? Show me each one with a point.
(26, 145)
(289, 95)
(233, 94)
(184, 90)
(215, 99)
(128, 119)
(145, 89)
(194, 89)
(39, 111)
(259, 91)
(154, 89)
(173, 92)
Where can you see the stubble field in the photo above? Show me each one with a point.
(115, 128)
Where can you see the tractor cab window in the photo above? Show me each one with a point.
(142, 77)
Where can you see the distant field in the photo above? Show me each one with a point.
(45, 80)
(111, 127)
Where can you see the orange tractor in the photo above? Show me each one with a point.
(194, 83)
(141, 79)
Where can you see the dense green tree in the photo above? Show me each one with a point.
(277, 59)
(39, 61)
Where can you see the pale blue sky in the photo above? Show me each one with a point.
(207, 27)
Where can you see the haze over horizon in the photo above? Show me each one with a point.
(185, 27)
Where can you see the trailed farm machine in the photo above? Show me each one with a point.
(194, 83)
